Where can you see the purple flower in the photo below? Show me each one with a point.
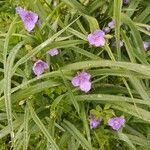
(29, 18)
(116, 123)
(106, 29)
(82, 81)
(39, 67)
(125, 2)
(97, 38)
(111, 24)
(115, 44)
(53, 52)
(146, 45)
(94, 122)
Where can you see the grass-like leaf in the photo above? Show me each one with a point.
(76, 134)
(42, 127)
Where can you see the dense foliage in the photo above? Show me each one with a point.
(77, 78)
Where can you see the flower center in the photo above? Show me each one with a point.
(40, 65)
(82, 79)
(28, 17)
(116, 123)
(96, 37)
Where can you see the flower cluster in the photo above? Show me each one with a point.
(82, 80)
(116, 123)
(40, 66)
(96, 38)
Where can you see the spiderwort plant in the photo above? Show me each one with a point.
(29, 18)
(39, 67)
(116, 123)
(82, 81)
(97, 38)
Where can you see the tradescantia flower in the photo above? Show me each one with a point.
(125, 2)
(39, 67)
(111, 24)
(146, 45)
(97, 38)
(53, 52)
(82, 81)
(94, 122)
(29, 18)
(116, 123)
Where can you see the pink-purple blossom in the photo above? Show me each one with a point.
(125, 2)
(111, 24)
(39, 67)
(53, 52)
(116, 123)
(82, 81)
(97, 38)
(94, 122)
(146, 45)
(29, 18)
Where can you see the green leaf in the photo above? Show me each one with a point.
(107, 98)
(142, 69)
(92, 22)
(76, 134)
(42, 127)
(117, 19)
(125, 138)
(71, 95)
(7, 84)
(76, 5)
(26, 134)
(29, 91)
(136, 35)
(85, 122)
(139, 140)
